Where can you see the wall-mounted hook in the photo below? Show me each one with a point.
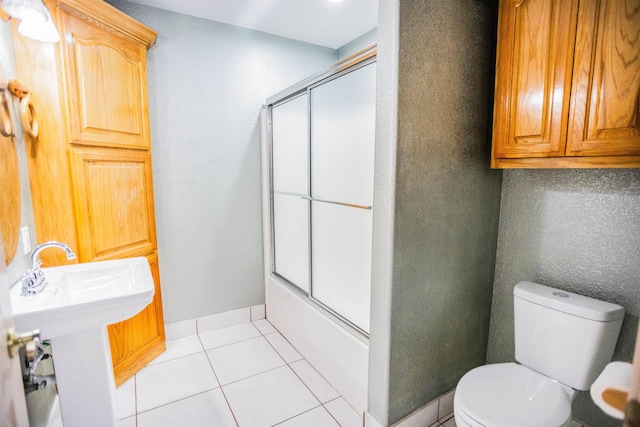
(27, 110)
(6, 123)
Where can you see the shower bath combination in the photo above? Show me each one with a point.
(318, 172)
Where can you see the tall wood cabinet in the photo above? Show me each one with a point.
(90, 167)
(567, 84)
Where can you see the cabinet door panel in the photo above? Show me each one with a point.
(605, 106)
(107, 85)
(138, 340)
(113, 200)
(533, 69)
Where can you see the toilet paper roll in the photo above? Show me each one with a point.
(609, 386)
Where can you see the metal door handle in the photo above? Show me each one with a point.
(28, 340)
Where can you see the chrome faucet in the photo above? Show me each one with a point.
(35, 259)
(33, 281)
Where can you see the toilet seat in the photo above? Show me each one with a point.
(509, 394)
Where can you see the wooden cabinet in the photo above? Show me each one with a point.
(90, 167)
(567, 84)
(113, 194)
(107, 86)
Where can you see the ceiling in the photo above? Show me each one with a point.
(321, 22)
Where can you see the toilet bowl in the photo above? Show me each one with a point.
(562, 342)
(509, 395)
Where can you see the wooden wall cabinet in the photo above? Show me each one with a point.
(567, 84)
(90, 167)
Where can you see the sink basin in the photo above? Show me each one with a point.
(84, 296)
(73, 312)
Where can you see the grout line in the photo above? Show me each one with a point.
(301, 413)
(253, 375)
(174, 401)
(305, 384)
(331, 413)
(219, 384)
(135, 397)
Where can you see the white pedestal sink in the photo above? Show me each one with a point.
(72, 312)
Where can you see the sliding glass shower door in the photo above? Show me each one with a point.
(290, 166)
(338, 115)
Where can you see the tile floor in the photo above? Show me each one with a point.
(244, 375)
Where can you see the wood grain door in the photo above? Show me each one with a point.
(605, 99)
(113, 202)
(533, 77)
(107, 87)
(138, 340)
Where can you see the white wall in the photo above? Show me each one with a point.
(207, 82)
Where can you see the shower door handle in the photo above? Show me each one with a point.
(351, 205)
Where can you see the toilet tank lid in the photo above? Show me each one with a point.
(568, 302)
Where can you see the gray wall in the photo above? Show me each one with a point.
(359, 43)
(207, 82)
(446, 200)
(577, 230)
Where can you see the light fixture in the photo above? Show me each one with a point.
(41, 31)
(35, 19)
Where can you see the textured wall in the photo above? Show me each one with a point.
(577, 230)
(446, 199)
(207, 82)
(383, 214)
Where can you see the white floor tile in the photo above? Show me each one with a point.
(126, 399)
(423, 417)
(282, 346)
(445, 409)
(127, 422)
(318, 385)
(318, 417)
(451, 422)
(269, 398)
(241, 360)
(343, 413)
(173, 380)
(224, 336)
(179, 348)
(264, 326)
(206, 409)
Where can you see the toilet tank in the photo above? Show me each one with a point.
(564, 336)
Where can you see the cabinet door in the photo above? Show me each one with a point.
(533, 74)
(137, 341)
(107, 87)
(113, 202)
(605, 99)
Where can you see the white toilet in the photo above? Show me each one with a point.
(563, 341)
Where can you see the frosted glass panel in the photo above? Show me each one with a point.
(290, 146)
(343, 137)
(341, 264)
(291, 235)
